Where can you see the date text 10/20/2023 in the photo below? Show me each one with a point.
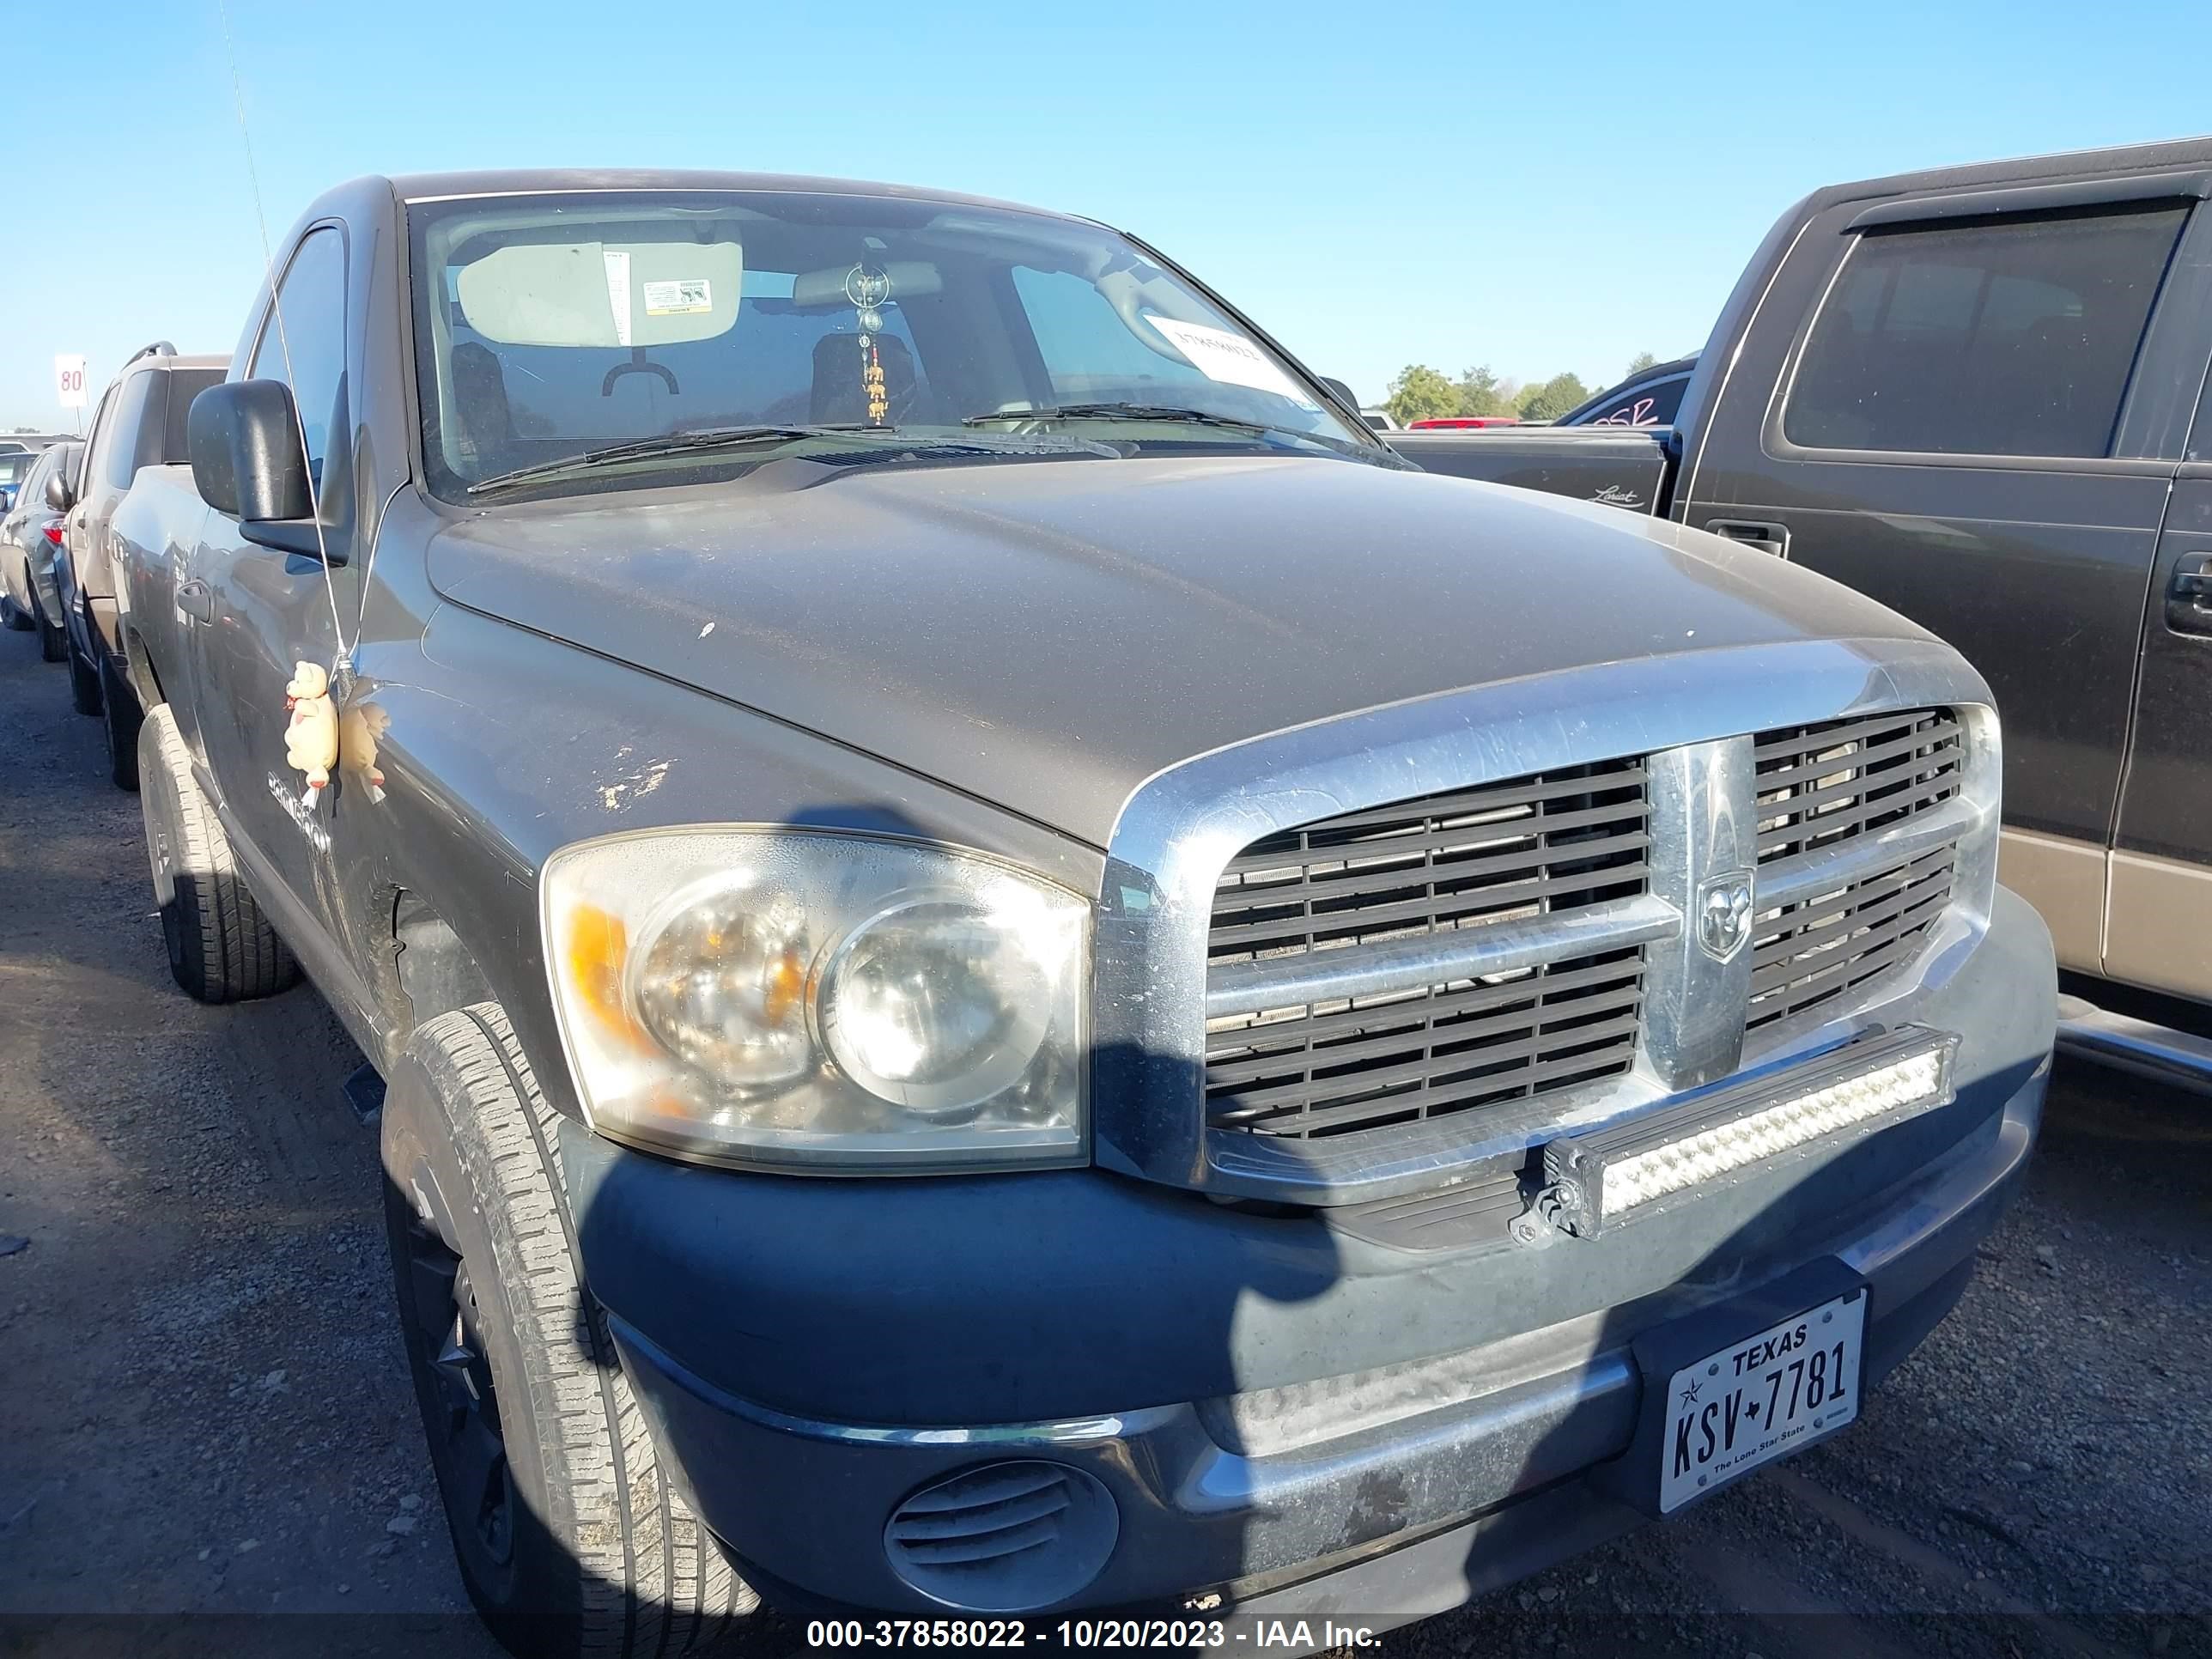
(1262, 1635)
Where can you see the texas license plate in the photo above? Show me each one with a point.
(1755, 1400)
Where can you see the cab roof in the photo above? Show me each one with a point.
(2174, 154)
(525, 181)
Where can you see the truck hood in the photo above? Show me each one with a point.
(1048, 634)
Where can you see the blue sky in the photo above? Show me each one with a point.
(1538, 188)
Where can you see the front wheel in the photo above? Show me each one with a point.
(18, 620)
(570, 1537)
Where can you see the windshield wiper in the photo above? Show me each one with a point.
(1128, 412)
(672, 443)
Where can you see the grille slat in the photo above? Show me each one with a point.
(1526, 848)
(1276, 883)
(1837, 808)
(1373, 1110)
(1319, 926)
(1793, 741)
(1441, 1058)
(1411, 1008)
(1871, 755)
(1400, 815)
(1822, 787)
(1869, 905)
(1818, 785)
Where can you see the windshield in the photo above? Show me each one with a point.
(15, 465)
(550, 329)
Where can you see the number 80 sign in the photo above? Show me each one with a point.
(69, 381)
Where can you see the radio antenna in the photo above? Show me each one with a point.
(276, 312)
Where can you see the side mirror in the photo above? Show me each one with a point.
(1343, 392)
(7, 497)
(248, 463)
(59, 496)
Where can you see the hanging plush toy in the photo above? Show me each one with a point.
(359, 728)
(311, 741)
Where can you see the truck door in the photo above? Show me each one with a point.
(257, 611)
(1964, 407)
(2159, 929)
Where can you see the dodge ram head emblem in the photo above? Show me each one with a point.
(1724, 915)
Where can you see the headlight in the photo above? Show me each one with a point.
(800, 998)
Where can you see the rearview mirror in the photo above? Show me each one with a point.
(59, 496)
(248, 463)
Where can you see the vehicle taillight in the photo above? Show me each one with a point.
(54, 534)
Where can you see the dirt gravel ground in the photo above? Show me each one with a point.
(204, 1409)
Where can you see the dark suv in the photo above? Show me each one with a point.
(140, 422)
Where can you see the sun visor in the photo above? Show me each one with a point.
(603, 293)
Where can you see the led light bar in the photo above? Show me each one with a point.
(1867, 1085)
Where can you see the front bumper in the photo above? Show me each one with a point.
(1290, 1416)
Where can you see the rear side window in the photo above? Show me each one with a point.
(1989, 337)
(1655, 403)
(118, 443)
(185, 385)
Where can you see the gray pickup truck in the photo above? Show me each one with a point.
(1980, 395)
(1016, 973)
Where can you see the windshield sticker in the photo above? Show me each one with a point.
(1230, 358)
(681, 298)
(619, 292)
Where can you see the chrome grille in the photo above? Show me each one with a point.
(1817, 786)
(1540, 846)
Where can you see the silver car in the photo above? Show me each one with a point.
(30, 535)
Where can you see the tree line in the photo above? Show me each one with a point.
(1422, 393)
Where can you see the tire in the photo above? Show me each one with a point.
(221, 948)
(121, 717)
(570, 1536)
(84, 682)
(18, 620)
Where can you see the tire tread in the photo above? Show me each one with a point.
(653, 1583)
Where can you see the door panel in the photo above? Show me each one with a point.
(2167, 810)
(2048, 609)
(269, 610)
(265, 611)
(2065, 881)
(2158, 933)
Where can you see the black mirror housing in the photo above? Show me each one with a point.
(244, 439)
(1342, 391)
(59, 496)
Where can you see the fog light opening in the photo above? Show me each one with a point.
(1003, 1538)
